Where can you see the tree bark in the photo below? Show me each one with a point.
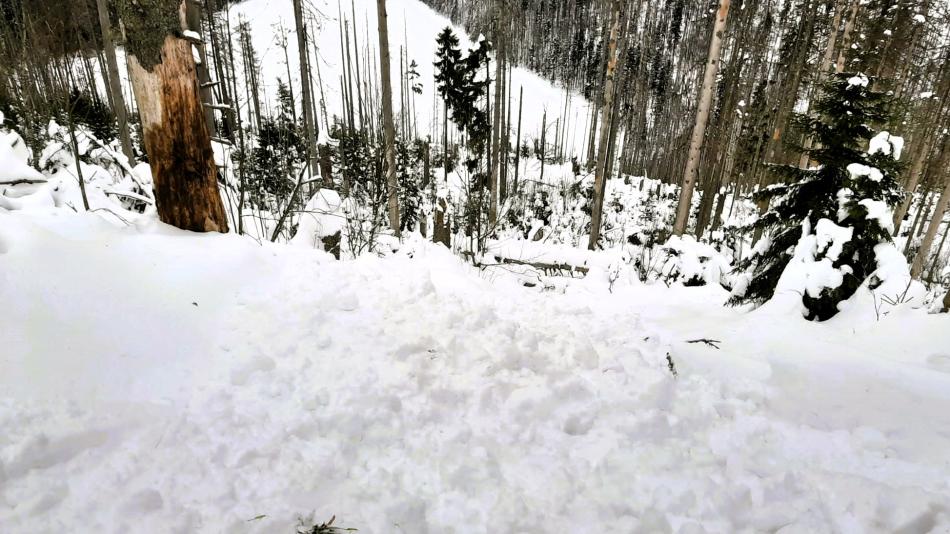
(389, 131)
(702, 116)
(496, 117)
(846, 36)
(514, 187)
(176, 136)
(115, 85)
(920, 260)
(308, 122)
(193, 23)
(597, 202)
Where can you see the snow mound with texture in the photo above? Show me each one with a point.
(162, 381)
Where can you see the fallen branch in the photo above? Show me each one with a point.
(133, 196)
(711, 342)
(22, 181)
(541, 266)
(124, 165)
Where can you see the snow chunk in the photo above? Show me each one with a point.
(859, 79)
(858, 169)
(832, 237)
(920, 18)
(887, 144)
(13, 158)
(880, 211)
(322, 217)
(805, 273)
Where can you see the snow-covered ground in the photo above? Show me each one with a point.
(161, 381)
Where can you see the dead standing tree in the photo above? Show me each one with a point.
(389, 128)
(174, 126)
(702, 116)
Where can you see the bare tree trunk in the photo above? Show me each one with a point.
(514, 188)
(497, 116)
(846, 35)
(175, 132)
(702, 116)
(308, 122)
(543, 148)
(597, 203)
(915, 171)
(75, 147)
(920, 260)
(193, 24)
(389, 130)
(115, 85)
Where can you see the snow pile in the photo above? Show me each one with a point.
(203, 383)
(112, 186)
(692, 263)
(14, 156)
(888, 290)
(322, 217)
(858, 80)
(811, 269)
(879, 210)
(858, 170)
(407, 394)
(886, 144)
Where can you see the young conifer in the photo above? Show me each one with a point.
(828, 219)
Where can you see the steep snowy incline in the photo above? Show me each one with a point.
(413, 26)
(161, 381)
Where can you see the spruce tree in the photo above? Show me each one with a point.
(457, 80)
(834, 215)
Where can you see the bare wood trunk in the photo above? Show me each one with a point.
(846, 36)
(702, 116)
(389, 131)
(308, 122)
(115, 85)
(496, 119)
(597, 203)
(514, 187)
(193, 23)
(542, 151)
(920, 260)
(177, 139)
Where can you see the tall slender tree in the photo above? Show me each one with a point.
(389, 128)
(702, 116)
(597, 203)
(115, 84)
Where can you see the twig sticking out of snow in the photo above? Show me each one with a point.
(22, 181)
(714, 343)
(671, 365)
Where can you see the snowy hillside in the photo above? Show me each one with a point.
(162, 381)
(413, 27)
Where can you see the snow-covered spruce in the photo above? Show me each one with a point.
(825, 222)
